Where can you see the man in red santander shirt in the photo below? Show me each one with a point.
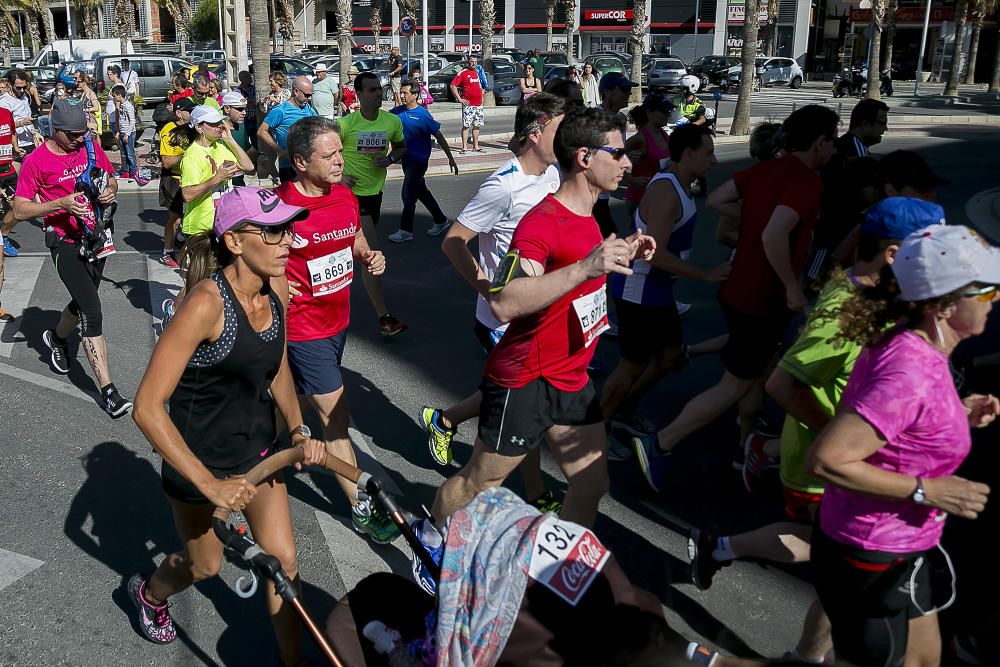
(468, 89)
(321, 263)
(550, 287)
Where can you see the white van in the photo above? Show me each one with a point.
(58, 52)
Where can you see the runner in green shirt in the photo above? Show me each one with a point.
(373, 140)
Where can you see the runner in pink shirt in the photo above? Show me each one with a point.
(890, 454)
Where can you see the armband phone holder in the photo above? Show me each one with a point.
(509, 268)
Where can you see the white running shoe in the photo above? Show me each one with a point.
(437, 230)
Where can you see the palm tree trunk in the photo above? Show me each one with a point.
(995, 79)
(550, 17)
(487, 19)
(751, 26)
(375, 21)
(636, 47)
(890, 32)
(977, 29)
(260, 48)
(772, 26)
(878, 19)
(961, 11)
(342, 9)
(570, 29)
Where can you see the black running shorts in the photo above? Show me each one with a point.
(753, 341)
(514, 421)
(371, 205)
(170, 194)
(644, 331)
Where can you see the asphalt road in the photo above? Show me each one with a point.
(83, 509)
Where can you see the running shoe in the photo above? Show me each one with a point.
(617, 450)
(5, 316)
(547, 502)
(374, 523)
(701, 544)
(633, 424)
(168, 312)
(438, 437)
(60, 357)
(646, 452)
(683, 308)
(701, 655)
(437, 230)
(154, 620)
(755, 460)
(8, 248)
(167, 259)
(115, 404)
(389, 326)
(402, 236)
(423, 578)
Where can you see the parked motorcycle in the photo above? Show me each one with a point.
(853, 81)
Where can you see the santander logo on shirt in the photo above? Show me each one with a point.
(299, 242)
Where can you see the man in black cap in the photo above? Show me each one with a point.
(171, 151)
(46, 189)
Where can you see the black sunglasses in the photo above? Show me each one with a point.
(615, 153)
(302, 92)
(271, 234)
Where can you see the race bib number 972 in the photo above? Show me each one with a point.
(566, 558)
(592, 312)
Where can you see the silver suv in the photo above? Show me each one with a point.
(770, 71)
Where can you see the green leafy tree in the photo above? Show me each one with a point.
(204, 26)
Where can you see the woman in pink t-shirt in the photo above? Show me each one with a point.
(890, 454)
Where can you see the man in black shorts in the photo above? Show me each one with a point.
(777, 202)
(49, 174)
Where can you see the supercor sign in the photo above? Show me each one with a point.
(605, 17)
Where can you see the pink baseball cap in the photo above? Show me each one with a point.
(260, 206)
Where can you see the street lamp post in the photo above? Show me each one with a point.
(424, 41)
(69, 31)
(923, 45)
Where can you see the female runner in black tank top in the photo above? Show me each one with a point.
(219, 364)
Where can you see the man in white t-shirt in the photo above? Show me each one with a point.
(130, 79)
(492, 216)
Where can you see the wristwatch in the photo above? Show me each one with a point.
(392, 158)
(302, 430)
(919, 496)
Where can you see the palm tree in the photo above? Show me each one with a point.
(983, 8)
(878, 18)
(487, 19)
(180, 12)
(550, 18)
(635, 45)
(961, 13)
(995, 79)
(751, 26)
(33, 11)
(286, 25)
(345, 36)
(124, 22)
(260, 49)
(8, 28)
(890, 32)
(375, 21)
(772, 26)
(570, 29)
(87, 10)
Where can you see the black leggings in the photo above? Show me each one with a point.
(81, 278)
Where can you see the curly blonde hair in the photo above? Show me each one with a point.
(865, 317)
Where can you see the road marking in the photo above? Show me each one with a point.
(39, 253)
(368, 462)
(44, 381)
(355, 556)
(15, 566)
(19, 282)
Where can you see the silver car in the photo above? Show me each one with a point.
(666, 74)
(768, 72)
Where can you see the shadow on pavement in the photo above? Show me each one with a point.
(34, 322)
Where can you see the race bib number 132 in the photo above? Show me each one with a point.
(566, 558)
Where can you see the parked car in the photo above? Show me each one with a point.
(214, 54)
(451, 56)
(713, 70)
(607, 62)
(291, 66)
(769, 71)
(439, 85)
(553, 57)
(154, 72)
(45, 80)
(666, 73)
(67, 71)
(506, 83)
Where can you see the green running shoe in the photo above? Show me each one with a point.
(547, 502)
(374, 523)
(438, 437)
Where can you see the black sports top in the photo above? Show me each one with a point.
(222, 405)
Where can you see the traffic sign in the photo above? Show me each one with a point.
(407, 26)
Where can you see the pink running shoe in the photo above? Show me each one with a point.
(154, 620)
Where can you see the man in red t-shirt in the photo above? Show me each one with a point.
(324, 252)
(550, 287)
(8, 182)
(468, 89)
(780, 207)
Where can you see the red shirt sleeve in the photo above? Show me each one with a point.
(534, 238)
(458, 80)
(802, 195)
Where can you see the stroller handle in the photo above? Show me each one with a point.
(273, 464)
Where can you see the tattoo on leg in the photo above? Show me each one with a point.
(94, 357)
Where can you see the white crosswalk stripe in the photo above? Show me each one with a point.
(20, 276)
(14, 566)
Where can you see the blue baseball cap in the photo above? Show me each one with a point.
(616, 80)
(898, 217)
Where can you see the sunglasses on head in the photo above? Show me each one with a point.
(615, 153)
(984, 294)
